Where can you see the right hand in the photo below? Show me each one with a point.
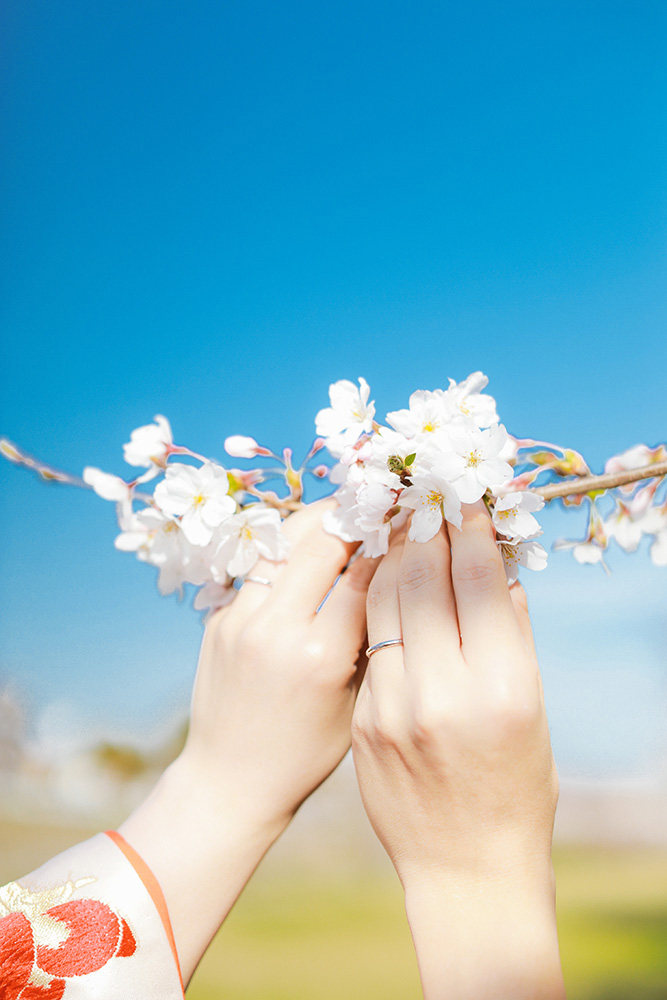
(452, 752)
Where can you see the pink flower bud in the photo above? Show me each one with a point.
(242, 447)
(321, 471)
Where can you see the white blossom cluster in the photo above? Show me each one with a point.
(446, 449)
(635, 513)
(194, 528)
(207, 525)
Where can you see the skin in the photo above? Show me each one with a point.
(453, 758)
(271, 713)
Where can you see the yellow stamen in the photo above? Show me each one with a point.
(433, 500)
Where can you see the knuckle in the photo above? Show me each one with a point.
(511, 712)
(378, 593)
(358, 576)
(378, 726)
(313, 651)
(414, 577)
(320, 547)
(430, 717)
(360, 729)
(480, 574)
(256, 638)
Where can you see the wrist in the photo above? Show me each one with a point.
(221, 805)
(494, 936)
(202, 844)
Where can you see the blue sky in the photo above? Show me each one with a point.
(212, 211)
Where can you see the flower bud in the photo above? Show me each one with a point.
(239, 446)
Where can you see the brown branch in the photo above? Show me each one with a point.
(587, 484)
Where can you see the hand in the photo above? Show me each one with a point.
(272, 705)
(276, 683)
(452, 752)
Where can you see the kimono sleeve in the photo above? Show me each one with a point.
(90, 924)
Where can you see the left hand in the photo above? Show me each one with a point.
(271, 712)
(276, 683)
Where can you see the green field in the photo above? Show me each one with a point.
(320, 935)
(321, 939)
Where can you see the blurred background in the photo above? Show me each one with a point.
(212, 211)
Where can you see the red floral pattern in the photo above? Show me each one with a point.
(92, 935)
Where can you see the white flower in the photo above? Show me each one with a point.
(587, 552)
(591, 549)
(658, 549)
(374, 502)
(105, 485)
(468, 399)
(149, 445)
(480, 450)
(385, 447)
(632, 519)
(199, 496)
(512, 517)
(530, 554)
(636, 457)
(655, 523)
(239, 446)
(426, 414)
(157, 539)
(244, 537)
(431, 497)
(349, 415)
(213, 596)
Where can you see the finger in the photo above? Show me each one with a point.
(520, 602)
(342, 620)
(295, 528)
(310, 573)
(383, 617)
(344, 611)
(427, 604)
(483, 603)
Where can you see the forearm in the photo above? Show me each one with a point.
(202, 844)
(490, 940)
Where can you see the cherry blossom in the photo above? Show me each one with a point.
(426, 415)
(376, 516)
(239, 446)
(349, 415)
(658, 549)
(159, 540)
(432, 498)
(246, 536)
(591, 549)
(654, 523)
(468, 399)
(530, 554)
(213, 596)
(149, 445)
(200, 496)
(480, 450)
(512, 515)
(206, 526)
(105, 485)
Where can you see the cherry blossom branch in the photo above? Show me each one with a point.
(609, 481)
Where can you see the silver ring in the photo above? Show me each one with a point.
(259, 579)
(382, 645)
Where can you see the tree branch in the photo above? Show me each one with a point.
(586, 484)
